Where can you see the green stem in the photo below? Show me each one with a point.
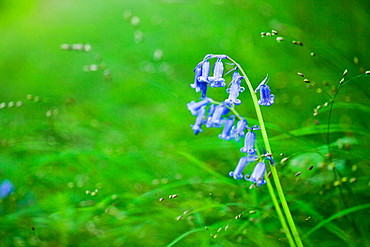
(279, 213)
(275, 176)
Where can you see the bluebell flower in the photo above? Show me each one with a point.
(249, 141)
(198, 72)
(201, 77)
(216, 119)
(267, 98)
(6, 187)
(258, 174)
(226, 132)
(205, 72)
(203, 88)
(237, 173)
(193, 106)
(217, 80)
(238, 130)
(235, 89)
(211, 110)
(199, 120)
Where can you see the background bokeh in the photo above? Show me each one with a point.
(92, 139)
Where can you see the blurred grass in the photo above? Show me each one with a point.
(129, 137)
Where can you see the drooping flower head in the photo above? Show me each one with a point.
(205, 72)
(258, 174)
(193, 106)
(199, 120)
(249, 141)
(198, 72)
(234, 89)
(215, 113)
(211, 110)
(243, 161)
(226, 132)
(238, 130)
(201, 77)
(216, 119)
(216, 80)
(267, 98)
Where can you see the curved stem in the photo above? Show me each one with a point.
(275, 176)
(332, 100)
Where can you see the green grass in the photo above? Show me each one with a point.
(128, 136)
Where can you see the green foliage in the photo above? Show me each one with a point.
(93, 139)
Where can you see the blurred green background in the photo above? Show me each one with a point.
(93, 139)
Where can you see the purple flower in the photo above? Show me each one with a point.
(193, 106)
(211, 110)
(203, 78)
(216, 120)
(238, 130)
(201, 75)
(198, 72)
(199, 120)
(258, 174)
(217, 80)
(203, 88)
(237, 173)
(249, 141)
(235, 89)
(205, 72)
(267, 98)
(6, 187)
(226, 132)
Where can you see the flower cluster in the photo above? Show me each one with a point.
(210, 113)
